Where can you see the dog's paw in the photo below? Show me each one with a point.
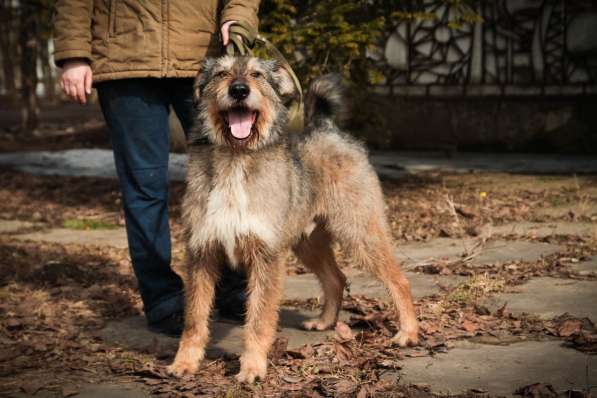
(251, 369)
(318, 324)
(182, 368)
(404, 338)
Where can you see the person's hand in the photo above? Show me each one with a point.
(76, 80)
(225, 30)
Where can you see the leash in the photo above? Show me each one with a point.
(243, 39)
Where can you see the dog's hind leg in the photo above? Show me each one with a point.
(266, 274)
(199, 294)
(317, 254)
(372, 250)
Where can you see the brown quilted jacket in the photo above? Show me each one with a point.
(144, 38)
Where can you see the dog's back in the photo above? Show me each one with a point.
(340, 163)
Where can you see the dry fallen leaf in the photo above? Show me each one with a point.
(31, 387)
(69, 391)
(470, 326)
(537, 390)
(501, 312)
(291, 379)
(343, 331)
(570, 327)
(346, 387)
(343, 352)
(278, 348)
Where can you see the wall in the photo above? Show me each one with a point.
(553, 124)
(522, 76)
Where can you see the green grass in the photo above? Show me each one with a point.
(557, 201)
(86, 224)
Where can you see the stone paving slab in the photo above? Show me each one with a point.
(107, 390)
(492, 252)
(411, 254)
(542, 230)
(306, 286)
(11, 226)
(226, 336)
(129, 390)
(389, 164)
(108, 237)
(587, 267)
(580, 209)
(463, 162)
(550, 297)
(500, 370)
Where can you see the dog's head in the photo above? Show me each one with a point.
(241, 101)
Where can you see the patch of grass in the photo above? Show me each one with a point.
(557, 201)
(548, 178)
(476, 287)
(87, 224)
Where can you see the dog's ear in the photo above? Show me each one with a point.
(202, 78)
(284, 84)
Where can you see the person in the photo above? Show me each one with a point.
(142, 56)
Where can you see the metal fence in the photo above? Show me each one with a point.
(520, 47)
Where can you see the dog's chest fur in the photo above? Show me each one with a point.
(233, 212)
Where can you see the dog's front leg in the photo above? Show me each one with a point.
(199, 293)
(266, 275)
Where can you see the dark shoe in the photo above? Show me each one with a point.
(232, 304)
(170, 326)
(231, 295)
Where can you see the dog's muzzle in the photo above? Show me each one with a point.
(239, 91)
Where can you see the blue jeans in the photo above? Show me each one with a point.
(136, 112)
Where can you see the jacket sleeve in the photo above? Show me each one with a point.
(241, 10)
(72, 30)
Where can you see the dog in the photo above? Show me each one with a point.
(255, 193)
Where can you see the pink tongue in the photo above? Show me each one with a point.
(240, 123)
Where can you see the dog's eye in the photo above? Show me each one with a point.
(256, 75)
(222, 74)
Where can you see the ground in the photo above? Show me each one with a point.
(503, 268)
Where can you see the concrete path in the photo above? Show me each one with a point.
(86, 390)
(588, 267)
(496, 251)
(100, 163)
(12, 226)
(103, 237)
(226, 336)
(303, 287)
(499, 370)
(484, 367)
(550, 297)
(542, 230)
(411, 254)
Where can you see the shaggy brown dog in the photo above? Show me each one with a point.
(256, 193)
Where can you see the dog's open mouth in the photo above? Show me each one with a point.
(240, 121)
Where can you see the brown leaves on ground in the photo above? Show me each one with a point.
(343, 332)
(425, 206)
(558, 265)
(54, 297)
(579, 333)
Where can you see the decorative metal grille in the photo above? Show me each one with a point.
(521, 47)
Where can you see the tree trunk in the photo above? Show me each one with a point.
(49, 78)
(29, 54)
(6, 44)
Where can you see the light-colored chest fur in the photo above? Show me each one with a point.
(232, 212)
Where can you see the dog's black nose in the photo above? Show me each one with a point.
(239, 91)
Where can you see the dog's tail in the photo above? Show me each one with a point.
(325, 101)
